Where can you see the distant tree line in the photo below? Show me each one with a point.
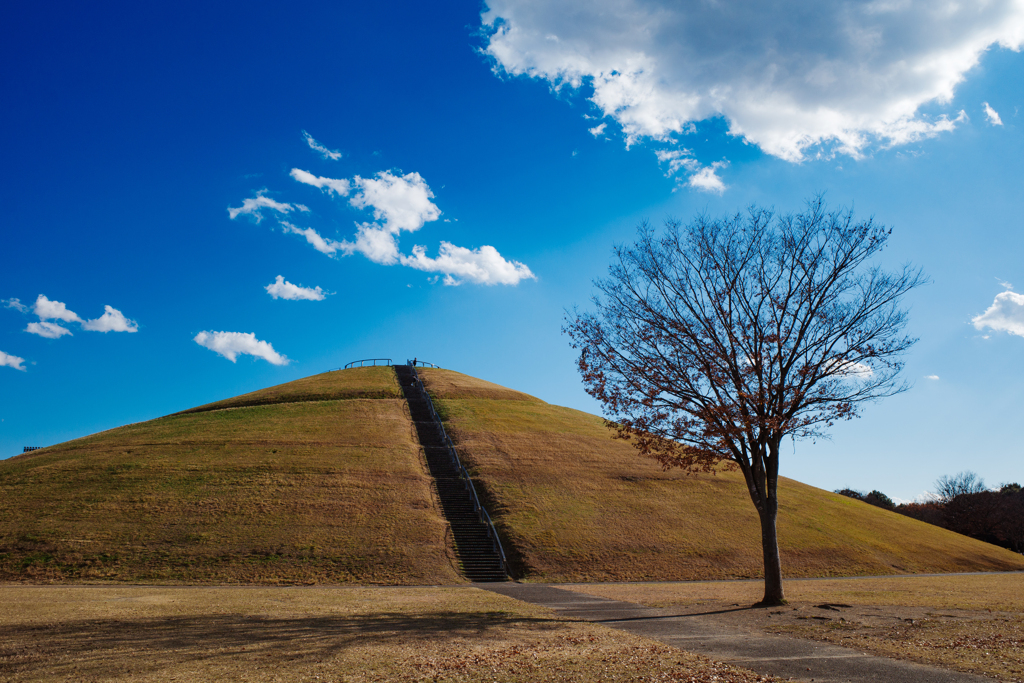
(962, 503)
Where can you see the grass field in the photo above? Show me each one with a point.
(130, 633)
(308, 491)
(576, 505)
(371, 382)
(972, 623)
(322, 481)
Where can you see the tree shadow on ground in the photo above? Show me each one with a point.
(89, 646)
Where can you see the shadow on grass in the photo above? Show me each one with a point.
(104, 647)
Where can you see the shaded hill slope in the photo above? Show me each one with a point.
(318, 480)
(575, 505)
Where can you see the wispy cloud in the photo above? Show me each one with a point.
(324, 246)
(254, 206)
(233, 344)
(48, 330)
(484, 266)
(1006, 314)
(15, 304)
(112, 320)
(704, 178)
(932, 377)
(598, 130)
(331, 154)
(282, 289)
(9, 361)
(992, 115)
(849, 369)
(54, 310)
(336, 186)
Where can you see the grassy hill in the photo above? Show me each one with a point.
(319, 480)
(576, 505)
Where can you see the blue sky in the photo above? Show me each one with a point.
(528, 137)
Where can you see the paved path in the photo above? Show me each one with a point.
(707, 634)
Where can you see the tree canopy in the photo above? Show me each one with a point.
(711, 341)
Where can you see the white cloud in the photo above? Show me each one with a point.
(1006, 314)
(331, 154)
(282, 289)
(7, 360)
(484, 266)
(932, 377)
(992, 115)
(402, 202)
(231, 344)
(336, 186)
(785, 76)
(375, 243)
(253, 206)
(54, 310)
(15, 304)
(677, 159)
(598, 130)
(48, 330)
(324, 246)
(112, 320)
(707, 180)
(704, 178)
(849, 369)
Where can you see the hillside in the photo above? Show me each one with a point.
(576, 505)
(322, 480)
(319, 481)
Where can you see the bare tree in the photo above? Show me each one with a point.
(713, 341)
(947, 488)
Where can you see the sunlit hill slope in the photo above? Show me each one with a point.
(322, 480)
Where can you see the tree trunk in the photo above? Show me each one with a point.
(769, 514)
(773, 594)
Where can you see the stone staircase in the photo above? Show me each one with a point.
(478, 551)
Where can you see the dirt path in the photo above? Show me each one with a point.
(733, 634)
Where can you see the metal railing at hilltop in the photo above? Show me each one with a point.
(415, 362)
(481, 512)
(362, 363)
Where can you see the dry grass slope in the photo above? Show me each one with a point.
(579, 506)
(328, 487)
(374, 382)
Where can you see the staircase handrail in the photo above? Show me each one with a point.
(367, 360)
(480, 510)
(421, 363)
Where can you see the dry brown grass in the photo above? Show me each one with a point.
(448, 383)
(304, 492)
(280, 486)
(995, 592)
(577, 505)
(969, 623)
(371, 382)
(319, 634)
